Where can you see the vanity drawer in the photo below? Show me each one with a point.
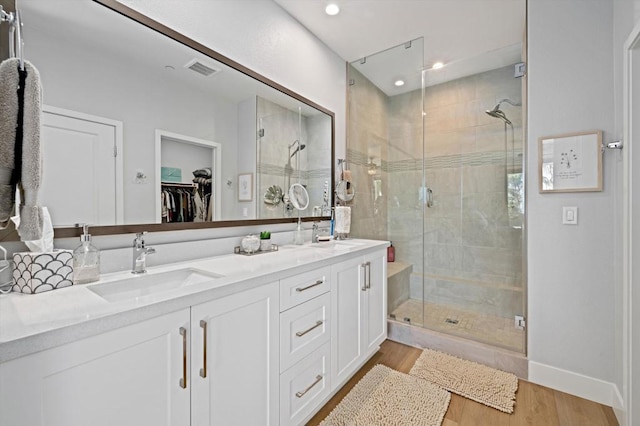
(303, 329)
(300, 288)
(304, 386)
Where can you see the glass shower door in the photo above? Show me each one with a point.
(385, 153)
(473, 282)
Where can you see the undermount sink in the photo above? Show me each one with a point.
(150, 284)
(338, 244)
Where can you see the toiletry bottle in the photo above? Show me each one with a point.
(86, 260)
(333, 221)
(298, 236)
(391, 253)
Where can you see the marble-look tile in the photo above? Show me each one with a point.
(484, 328)
(449, 93)
(491, 356)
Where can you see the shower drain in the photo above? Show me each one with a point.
(451, 321)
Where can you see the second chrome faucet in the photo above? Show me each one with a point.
(140, 253)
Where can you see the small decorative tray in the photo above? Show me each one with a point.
(238, 250)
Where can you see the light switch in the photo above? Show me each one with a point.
(569, 215)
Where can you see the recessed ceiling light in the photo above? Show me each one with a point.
(399, 83)
(332, 9)
(437, 66)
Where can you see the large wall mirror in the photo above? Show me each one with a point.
(143, 126)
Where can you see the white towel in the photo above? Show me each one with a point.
(32, 220)
(343, 220)
(29, 180)
(9, 80)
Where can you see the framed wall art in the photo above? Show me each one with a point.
(570, 162)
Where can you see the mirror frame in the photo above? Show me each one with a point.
(10, 234)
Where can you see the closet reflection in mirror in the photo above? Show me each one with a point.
(135, 121)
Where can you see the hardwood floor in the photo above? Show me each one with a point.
(535, 405)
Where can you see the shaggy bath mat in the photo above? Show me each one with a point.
(486, 385)
(387, 397)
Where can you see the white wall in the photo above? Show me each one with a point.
(152, 102)
(263, 37)
(571, 285)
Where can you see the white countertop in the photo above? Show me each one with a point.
(33, 322)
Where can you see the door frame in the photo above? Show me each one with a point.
(631, 193)
(119, 137)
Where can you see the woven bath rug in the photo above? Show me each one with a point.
(486, 385)
(387, 397)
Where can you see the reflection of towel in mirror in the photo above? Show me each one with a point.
(9, 80)
(31, 219)
(343, 220)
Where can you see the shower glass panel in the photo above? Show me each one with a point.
(439, 172)
(473, 284)
(385, 149)
(277, 168)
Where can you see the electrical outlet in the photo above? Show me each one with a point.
(520, 322)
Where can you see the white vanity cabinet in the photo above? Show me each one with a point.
(305, 326)
(126, 377)
(234, 360)
(154, 372)
(270, 351)
(358, 300)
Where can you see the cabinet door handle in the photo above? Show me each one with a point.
(368, 270)
(203, 370)
(299, 289)
(183, 380)
(316, 325)
(364, 278)
(301, 394)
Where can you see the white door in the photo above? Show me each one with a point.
(125, 377)
(79, 180)
(631, 230)
(347, 297)
(234, 362)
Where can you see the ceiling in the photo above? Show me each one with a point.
(468, 36)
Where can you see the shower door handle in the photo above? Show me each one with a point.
(429, 197)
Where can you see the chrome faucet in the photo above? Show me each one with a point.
(140, 253)
(314, 232)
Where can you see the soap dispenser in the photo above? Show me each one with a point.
(86, 260)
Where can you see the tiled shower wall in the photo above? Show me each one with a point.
(281, 129)
(368, 143)
(472, 251)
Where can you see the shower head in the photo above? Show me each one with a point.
(496, 112)
(299, 148)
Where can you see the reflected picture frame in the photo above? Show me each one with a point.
(245, 187)
(570, 162)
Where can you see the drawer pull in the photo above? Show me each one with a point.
(301, 394)
(203, 370)
(317, 324)
(299, 289)
(183, 380)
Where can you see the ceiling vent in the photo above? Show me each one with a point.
(200, 68)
